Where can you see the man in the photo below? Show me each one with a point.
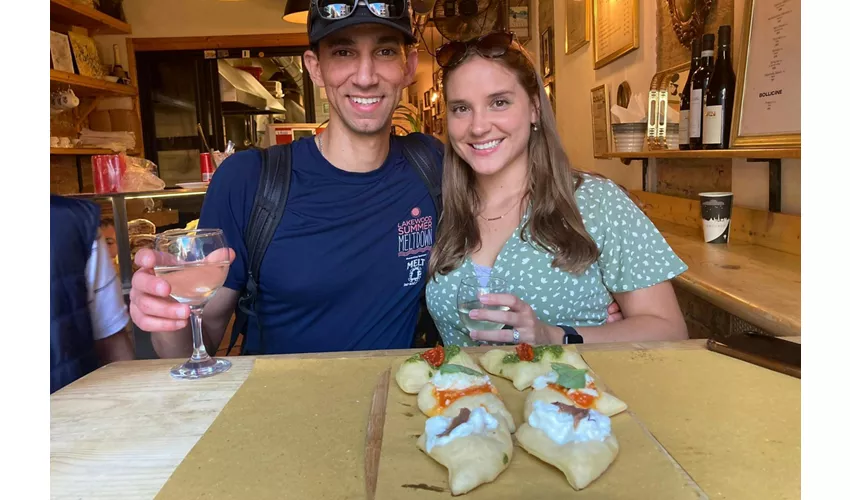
(344, 268)
(87, 311)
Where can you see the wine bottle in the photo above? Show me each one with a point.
(685, 97)
(720, 95)
(698, 86)
(117, 69)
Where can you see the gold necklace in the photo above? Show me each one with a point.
(489, 219)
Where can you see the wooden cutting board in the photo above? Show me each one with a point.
(641, 470)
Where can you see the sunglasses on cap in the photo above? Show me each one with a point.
(491, 45)
(333, 10)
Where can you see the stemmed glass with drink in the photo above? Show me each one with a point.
(195, 263)
(468, 293)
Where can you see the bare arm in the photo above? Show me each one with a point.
(648, 314)
(116, 347)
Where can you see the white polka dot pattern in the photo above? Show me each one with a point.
(633, 255)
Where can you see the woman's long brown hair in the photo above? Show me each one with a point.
(554, 224)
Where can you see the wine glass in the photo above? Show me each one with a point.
(195, 263)
(468, 291)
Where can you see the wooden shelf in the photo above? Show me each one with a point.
(80, 151)
(87, 86)
(769, 154)
(73, 14)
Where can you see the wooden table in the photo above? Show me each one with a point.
(121, 431)
(757, 284)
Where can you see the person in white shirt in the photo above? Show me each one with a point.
(109, 316)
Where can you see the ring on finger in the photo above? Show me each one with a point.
(516, 336)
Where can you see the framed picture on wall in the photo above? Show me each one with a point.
(615, 30)
(578, 25)
(60, 52)
(600, 119)
(86, 55)
(438, 80)
(546, 53)
(767, 111)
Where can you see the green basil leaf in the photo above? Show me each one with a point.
(569, 377)
(460, 369)
(510, 359)
(555, 350)
(451, 351)
(414, 358)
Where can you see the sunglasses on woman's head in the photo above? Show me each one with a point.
(333, 10)
(490, 46)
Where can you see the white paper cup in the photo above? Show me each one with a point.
(716, 211)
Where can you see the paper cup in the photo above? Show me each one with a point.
(716, 211)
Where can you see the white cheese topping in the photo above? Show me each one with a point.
(560, 426)
(543, 380)
(458, 381)
(480, 422)
(550, 378)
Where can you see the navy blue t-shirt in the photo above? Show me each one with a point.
(346, 266)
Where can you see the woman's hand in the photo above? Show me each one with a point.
(519, 315)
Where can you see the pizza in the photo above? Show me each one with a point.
(418, 369)
(527, 363)
(474, 445)
(454, 387)
(577, 441)
(573, 386)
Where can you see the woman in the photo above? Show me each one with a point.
(564, 241)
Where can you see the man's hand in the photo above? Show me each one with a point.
(614, 313)
(151, 305)
(153, 310)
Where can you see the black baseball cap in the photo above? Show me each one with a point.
(319, 27)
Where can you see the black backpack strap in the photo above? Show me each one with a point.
(427, 164)
(269, 204)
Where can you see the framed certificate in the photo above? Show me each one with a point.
(578, 25)
(600, 119)
(546, 58)
(615, 30)
(767, 86)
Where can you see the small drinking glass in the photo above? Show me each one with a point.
(195, 263)
(468, 293)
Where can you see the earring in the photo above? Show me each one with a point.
(534, 127)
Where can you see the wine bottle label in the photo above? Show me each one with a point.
(712, 125)
(696, 107)
(683, 127)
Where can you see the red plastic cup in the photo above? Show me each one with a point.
(207, 168)
(100, 175)
(107, 172)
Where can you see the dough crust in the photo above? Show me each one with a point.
(523, 373)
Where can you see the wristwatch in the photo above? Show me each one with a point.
(571, 336)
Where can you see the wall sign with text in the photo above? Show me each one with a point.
(768, 91)
(615, 29)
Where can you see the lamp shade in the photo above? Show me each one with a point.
(295, 11)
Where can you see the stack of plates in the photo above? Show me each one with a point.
(629, 137)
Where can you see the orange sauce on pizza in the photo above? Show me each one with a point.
(581, 399)
(446, 398)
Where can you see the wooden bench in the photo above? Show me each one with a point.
(753, 283)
